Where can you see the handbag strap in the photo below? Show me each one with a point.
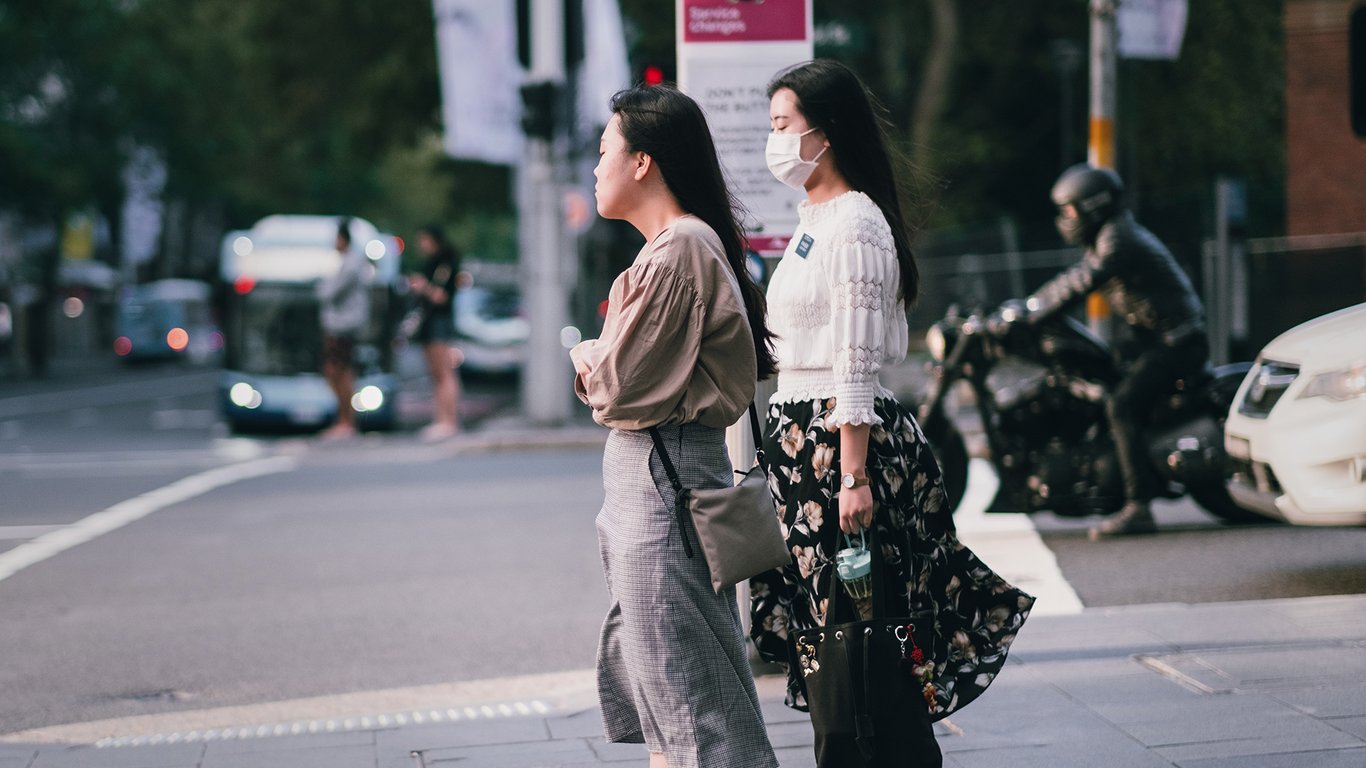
(837, 599)
(681, 493)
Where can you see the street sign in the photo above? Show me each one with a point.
(1151, 29)
(728, 52)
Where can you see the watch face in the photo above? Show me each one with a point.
(847, 481)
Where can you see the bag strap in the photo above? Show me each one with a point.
(837, 598)
(681, 493)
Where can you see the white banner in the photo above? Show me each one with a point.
(604, 70)
(476, 46)
(1151, 29)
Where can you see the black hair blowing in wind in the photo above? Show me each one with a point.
(667, 125)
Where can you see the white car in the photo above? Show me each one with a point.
(1296, 433)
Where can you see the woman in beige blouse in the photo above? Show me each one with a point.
(681, 349)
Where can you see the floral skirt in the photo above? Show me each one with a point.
(975, 612)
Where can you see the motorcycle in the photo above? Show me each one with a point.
(1040, 391)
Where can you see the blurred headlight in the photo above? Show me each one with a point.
(1341, 385)
(243, 395)
(934, 339)
(242, 246)
(375, 250)
(369, 398)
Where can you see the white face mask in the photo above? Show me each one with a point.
(784, 156)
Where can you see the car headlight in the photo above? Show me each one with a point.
(244, 395)
(1342, 385)
(934, 340)
(369, 398)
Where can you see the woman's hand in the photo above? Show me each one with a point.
(856, 509)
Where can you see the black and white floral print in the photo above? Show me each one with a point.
(975, 612)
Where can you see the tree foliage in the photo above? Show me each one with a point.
(259, 106)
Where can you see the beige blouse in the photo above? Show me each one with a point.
(676, 346)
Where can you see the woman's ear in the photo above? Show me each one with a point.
(643, 165)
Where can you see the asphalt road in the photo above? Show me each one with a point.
(383, 563)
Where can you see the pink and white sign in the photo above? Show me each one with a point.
(728, 51)
(719, 21)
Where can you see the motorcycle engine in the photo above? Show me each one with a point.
(1191, 453)
(1037, 404)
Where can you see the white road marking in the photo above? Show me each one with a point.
(1011, 545)
(125, 512)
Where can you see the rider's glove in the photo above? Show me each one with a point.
(1006, 319)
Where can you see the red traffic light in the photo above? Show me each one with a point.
(654, 75)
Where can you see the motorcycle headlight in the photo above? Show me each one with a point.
(934, 340)
(1342, 385)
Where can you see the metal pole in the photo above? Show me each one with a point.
(547, 385)
(1100, 149)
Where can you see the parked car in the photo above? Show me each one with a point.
(167, 319)
(1296, 433)
(490, 329)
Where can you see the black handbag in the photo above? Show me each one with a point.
(737, 526)
(868, 682)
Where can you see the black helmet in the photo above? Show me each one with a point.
(1096, 193)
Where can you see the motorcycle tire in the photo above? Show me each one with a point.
(951, 451)
(1216, 500)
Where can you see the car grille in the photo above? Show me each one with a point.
(1270, 380)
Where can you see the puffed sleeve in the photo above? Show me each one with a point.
(636, 373)
(857, 271)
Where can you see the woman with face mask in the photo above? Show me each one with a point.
(842, 454)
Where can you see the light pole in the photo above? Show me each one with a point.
(547, 384)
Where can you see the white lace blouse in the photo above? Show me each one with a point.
(833, 304)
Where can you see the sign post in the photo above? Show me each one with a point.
(727, 54)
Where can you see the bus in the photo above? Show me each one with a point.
(272, 372)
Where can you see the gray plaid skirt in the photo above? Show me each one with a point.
(672, 667)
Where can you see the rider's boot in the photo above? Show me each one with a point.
(1134, 518)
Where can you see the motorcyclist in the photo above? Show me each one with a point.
(1152, 295)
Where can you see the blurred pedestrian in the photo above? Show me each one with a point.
(435, 286)
(344, 306)
(681, 348)
(842, 454)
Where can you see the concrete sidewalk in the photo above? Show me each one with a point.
(1268, 684)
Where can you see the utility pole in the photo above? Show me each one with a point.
(547, 384)
(1100, 149)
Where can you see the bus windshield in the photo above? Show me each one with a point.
(273, 331)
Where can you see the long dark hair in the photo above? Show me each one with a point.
(834, 100)
(669, 127)
(445, 251)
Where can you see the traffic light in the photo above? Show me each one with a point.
(653, 75)
(539, 109)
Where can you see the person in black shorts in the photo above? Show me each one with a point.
(435, 286)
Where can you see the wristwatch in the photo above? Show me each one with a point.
(850, 480)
